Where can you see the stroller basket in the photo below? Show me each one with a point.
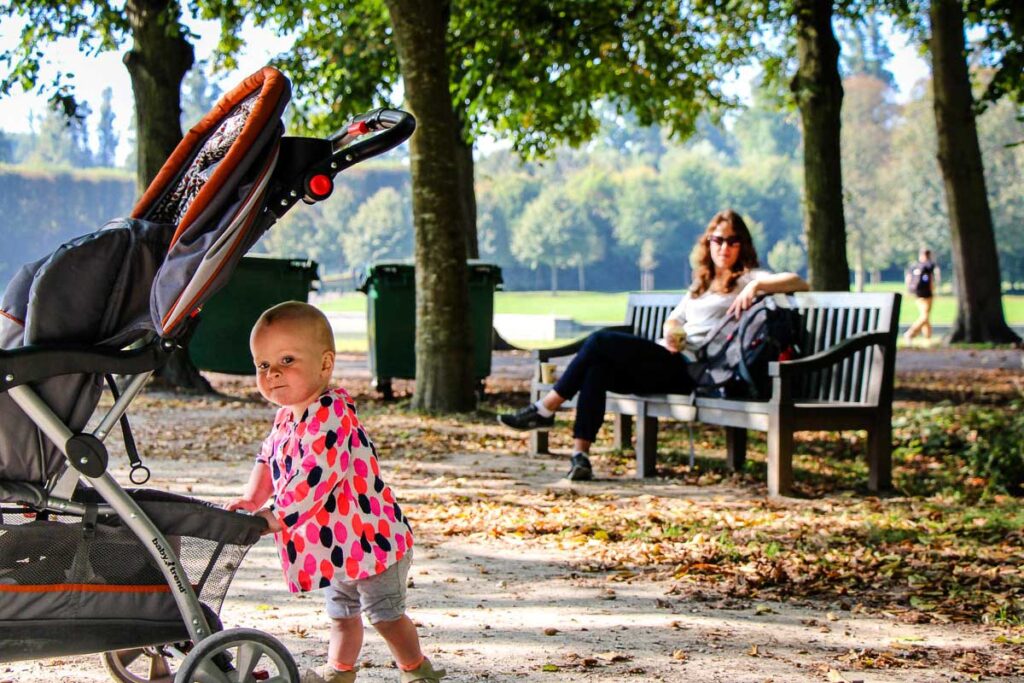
(74, 585)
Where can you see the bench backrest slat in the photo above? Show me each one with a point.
(646, 312)
(829, 318)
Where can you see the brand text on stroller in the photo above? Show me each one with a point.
(170, 564)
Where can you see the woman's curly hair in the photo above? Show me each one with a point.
(704, 267)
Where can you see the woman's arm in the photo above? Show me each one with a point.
(767, 283)
(774, 283)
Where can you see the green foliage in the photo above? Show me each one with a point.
(380, 229)
(1001, 47)
(98, 26)
(868, 116)
(555, 231)
(542, 83)
(323, 232)
(981, 447)
(787, 255)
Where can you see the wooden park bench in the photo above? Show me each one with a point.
(844, 380)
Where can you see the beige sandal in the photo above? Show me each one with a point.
(424, 673)
(327, 674)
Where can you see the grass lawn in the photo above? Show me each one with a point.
(603, 307)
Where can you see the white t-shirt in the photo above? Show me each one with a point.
(701, 315)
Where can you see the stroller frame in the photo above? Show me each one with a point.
(85, 460)
(304, 169)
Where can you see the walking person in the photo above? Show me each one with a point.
(922, 281)
(726, 281)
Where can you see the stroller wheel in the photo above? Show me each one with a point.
(139, 665)
(254, 656)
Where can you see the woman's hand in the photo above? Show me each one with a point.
(745, 299)
(273, 523)
(674, 336)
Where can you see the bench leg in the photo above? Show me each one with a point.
(735, 448)
(623, 431)
(880, 457)
(646, 445)
(780, 459)
(538, 442)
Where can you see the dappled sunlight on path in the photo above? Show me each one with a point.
(521, 576)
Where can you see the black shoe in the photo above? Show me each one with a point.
(579, 469)
(526, 419)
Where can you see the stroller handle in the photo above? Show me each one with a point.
(307, 166)
(393, 126)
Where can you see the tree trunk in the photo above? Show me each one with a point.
(581, 277)
(444, 353)
(819, 95)
(976, 272)
(554, 280)
(858, 271)
(158, 61)
(467, 196)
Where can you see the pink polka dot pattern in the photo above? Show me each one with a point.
(337, 512)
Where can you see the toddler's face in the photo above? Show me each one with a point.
(292, 367)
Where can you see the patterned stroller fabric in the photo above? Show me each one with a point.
(146, 273)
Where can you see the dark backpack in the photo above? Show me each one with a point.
(921, 275)
(733, 363)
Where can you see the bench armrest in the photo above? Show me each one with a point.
(541, 355)
(831, 356)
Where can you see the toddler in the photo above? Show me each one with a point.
(336, 523)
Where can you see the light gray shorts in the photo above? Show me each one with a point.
(380, 597)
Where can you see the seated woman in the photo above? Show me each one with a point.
(726, 281)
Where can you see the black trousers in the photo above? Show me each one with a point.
(623, 363)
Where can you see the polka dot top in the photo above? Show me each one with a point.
(339, 516)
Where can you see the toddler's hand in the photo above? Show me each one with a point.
(273, 524)
(241, 504)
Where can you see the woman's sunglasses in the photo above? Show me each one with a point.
(719, 240)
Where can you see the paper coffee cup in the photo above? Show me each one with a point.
(677, 338)
(547, 373)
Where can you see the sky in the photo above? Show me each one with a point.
(93, 74)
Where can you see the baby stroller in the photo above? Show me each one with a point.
(87, 566)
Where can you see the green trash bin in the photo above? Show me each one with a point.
(390, 289)
(221, 340)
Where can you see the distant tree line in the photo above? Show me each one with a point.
(623, 212)
(42, 209)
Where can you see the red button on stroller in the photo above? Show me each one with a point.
(86, 565)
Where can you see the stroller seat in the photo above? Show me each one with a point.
(86, 565)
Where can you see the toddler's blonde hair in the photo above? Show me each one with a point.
(301, 312)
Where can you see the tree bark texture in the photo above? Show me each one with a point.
(158, 61)
(467, 195)
(979, 315)
(444, 353)
(819, 95)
